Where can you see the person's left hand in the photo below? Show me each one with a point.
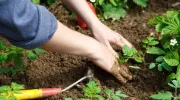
(107, 37)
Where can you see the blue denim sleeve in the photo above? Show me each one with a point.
(25, 24)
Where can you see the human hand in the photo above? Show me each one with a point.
(107, 36)
(105, 59)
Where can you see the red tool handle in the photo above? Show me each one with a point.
(80, 21)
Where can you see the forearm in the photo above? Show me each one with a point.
(68, 41)
(81, 8)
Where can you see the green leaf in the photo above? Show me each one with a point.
(160, 26)
(145, 41)
(120, 94)
(162, 96)
(31, 55)
(134, 67)
(171, 29)
(112, 12)
(16, 86)
(172, 13)
(160, 67)
(101, 2)
(116, 98)
(166, 66)
(142, 3)
(18, 60)
(156, 20)
(91, 90)
(36, 1)
(39, 51)
(139, 59)
(3, 57)
(152, 65)
(113, 2)
(5, 88)
(155, 50)
(153, 43)
(2, 97)
(2, 46)
(109, 92)
(100, 97)
(170, 77)
(5, 70)
(159, 59)
(68, 99)
(178, 74)
(129, 51)
(170, 59)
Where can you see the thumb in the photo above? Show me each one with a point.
(111, 49)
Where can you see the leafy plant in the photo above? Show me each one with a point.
(130, 53)
(168, 95)
(7, 92)
(12, 56)
(92, 91)
(166, 48)
(117, 95)
(115, 9)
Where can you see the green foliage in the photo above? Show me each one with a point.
(13, 56)
(68, 99)
(117, 95)
(130, 53)
(7, 91)
(166, 48)
(49, 2)
(115, 9)
(162, 96)
(93, 92)
(169, 24)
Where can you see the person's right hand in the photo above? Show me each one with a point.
(105, 59)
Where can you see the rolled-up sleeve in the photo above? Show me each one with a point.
(25, 24)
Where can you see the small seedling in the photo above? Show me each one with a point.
(92, 91)
(117, 95)
(7, 92)
(13, 56)
(130, 53)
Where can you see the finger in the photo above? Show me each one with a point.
(121, 42)
(111, 49)
(117, 75)
(125, 68)
(125, 74)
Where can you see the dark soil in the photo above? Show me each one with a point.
(60, 70)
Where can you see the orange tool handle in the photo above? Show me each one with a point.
(37, 93)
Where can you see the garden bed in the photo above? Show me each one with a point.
(60, 70)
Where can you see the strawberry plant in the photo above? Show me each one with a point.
(166, 47)
(11, 57)
(7, 92)
(115, 9)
